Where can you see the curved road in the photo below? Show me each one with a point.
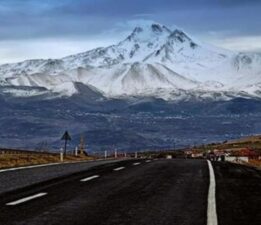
(133, 192)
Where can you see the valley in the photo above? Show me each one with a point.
(126, 125)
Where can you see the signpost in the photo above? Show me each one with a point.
(66, 137)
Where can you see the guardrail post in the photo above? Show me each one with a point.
(76, 151)
(61, 155)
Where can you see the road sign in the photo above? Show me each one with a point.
(66, 136)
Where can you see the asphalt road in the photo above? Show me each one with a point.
(238, 194)
(19, 178)
(138, 192)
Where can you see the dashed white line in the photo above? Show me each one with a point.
(136, 164)
(26, 199)
(212, 211)
(89, 178)
(119, 168)
(147, 161)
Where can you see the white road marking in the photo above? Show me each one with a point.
(45, 165)
(26, 199)
(137, 163)
(28, 167)
(90, 178)
(212, 211)
(147, 161)
(42, 165)
(119, 168)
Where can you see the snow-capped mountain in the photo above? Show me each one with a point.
(152, 61)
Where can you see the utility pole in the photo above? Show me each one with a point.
(82, 145)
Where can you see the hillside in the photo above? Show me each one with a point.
(153, 61)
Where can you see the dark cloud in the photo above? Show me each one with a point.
(29, 19)
(238, 2)
(28, 27)
(127, 7)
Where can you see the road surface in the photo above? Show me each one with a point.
(16, 178)
(139, 192)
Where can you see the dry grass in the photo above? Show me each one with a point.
(16, 160)
(250, 139)
(255, 162)
(252, 142)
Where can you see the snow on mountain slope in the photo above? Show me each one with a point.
(151, 61)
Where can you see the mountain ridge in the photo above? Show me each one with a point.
(152, 61)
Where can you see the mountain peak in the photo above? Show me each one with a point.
(152, 61)
(153, 27)
(179, 34)
(158, 28)
(144, 32)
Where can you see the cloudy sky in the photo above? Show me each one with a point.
(56, 28)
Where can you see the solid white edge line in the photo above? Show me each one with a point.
(26, 199)
(119, 168)
(44, 165)
(136, 164)
(28, 167)
(212, 211)
(89, 178)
